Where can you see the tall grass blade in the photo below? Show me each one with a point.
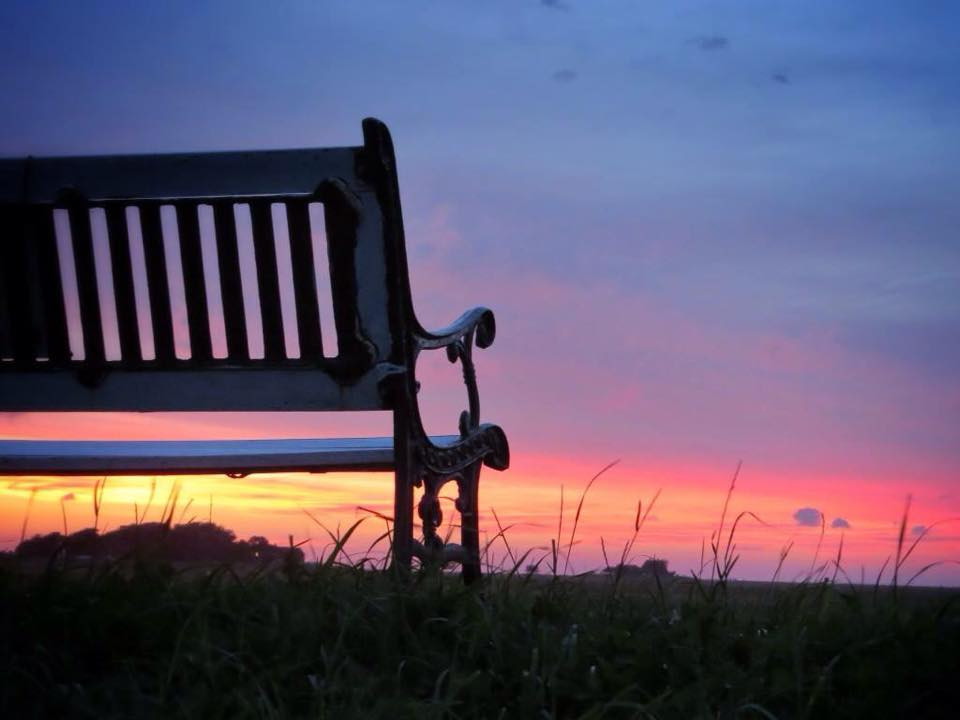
(26, 515)
(728, 551)
(900, 539)
(603, 549)
(153, 490)
(373, 512)
(556, 544)
(930, 566)
(576, 517)
(836, 563)
(170, 506)
(501, 533)
(638, 523)
(98, 489)
(816, 553)
(923, 533)
(723, 514)
(876, 585)
(339, 542)
(184, 511)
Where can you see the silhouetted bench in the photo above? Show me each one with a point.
(126, 287)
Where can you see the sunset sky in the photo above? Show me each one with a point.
(711, 233)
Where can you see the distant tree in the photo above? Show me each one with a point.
(190, 542)
(205, 540)
(84, 542)
(133, 538)
(40, 546)
(650, 568)
(259, 548)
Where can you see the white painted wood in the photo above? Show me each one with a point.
(175, 457)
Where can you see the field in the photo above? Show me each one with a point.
(137, 630)
(142, 638)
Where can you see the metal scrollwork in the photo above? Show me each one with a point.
(478, 444)
(462, 350)
(430, 512)
(485, 443)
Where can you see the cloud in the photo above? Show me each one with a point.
(808, 517)
(566, 75)
(555, 4)
(840, 523)
(918, 529)
(709, 43)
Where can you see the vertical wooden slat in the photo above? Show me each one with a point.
(86, 270)
(231, 290)
(6, 337)
(15, 286)
(123, 292)
(191, 259)
(51, 283)
(304, 280)
(268, 284)
(34, 304)
(340, 225)
(157, 282)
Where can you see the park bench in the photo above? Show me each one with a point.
(81, 329)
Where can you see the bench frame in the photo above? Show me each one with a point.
(379, 336)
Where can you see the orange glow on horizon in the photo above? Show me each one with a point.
(527, 501)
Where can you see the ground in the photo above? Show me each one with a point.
(144, 639)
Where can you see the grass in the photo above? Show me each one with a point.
(341, 639)
(330, 641)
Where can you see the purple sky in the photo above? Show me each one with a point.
(709, 231)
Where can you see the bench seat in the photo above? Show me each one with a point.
(164, 283)
(172, 457)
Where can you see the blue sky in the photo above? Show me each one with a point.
(709, 230)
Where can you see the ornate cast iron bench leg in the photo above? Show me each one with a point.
(459, 463)
(479, 444)
(404, 481)
(468, 506)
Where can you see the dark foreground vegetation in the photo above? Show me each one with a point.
(135, 638)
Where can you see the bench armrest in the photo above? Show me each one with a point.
(460, 462)
(476, 326)
(479, 320)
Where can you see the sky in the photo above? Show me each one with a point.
(711, 233)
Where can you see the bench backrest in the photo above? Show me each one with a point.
(60, 348)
